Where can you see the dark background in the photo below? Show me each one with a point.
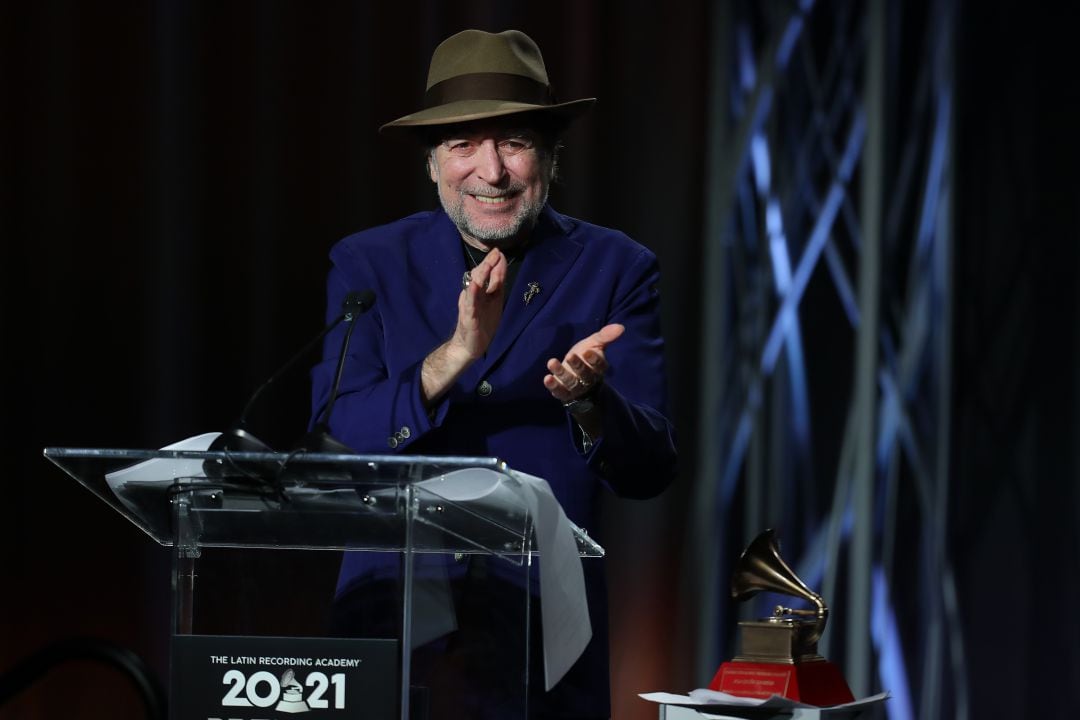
(172, 175)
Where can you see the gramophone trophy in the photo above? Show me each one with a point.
(779, 653)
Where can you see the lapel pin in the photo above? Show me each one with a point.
(532, 290)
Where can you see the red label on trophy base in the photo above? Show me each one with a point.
(753, 679)
(817, 683)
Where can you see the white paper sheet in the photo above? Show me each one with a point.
(160, 469)
(563, 606)
(712, 701)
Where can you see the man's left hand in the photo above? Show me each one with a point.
(583, 367)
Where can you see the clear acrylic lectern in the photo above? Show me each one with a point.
(433, 521)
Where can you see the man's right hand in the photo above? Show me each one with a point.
(480, 307)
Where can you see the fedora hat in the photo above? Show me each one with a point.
(476, 75)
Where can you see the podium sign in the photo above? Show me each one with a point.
(251, 678)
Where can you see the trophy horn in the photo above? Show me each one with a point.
(760, 567)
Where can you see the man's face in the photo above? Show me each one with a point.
(493, 181)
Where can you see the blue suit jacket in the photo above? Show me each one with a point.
(588, 277)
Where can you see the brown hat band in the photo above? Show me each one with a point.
(488, 86)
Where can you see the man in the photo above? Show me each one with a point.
(502, 328)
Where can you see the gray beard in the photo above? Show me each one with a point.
(523, 221)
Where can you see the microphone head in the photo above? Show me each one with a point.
(237, 439)
(358, 302)
(319, 440)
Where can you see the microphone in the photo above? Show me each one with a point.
(319, 439)
(237, 438)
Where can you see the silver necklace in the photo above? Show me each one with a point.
(472, 259)
(467, 277)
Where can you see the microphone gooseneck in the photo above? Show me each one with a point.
(355, 303)
(237, 438)
(320, 439)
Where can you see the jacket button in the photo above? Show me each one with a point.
(392, 441)
(405, 432)
(484, 389)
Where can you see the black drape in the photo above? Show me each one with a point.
(1015, 503)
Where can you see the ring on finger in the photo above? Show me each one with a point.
(465, 280)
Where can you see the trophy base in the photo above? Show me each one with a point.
(818, 682)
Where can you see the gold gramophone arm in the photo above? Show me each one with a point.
(821, 611)
(781, 611)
